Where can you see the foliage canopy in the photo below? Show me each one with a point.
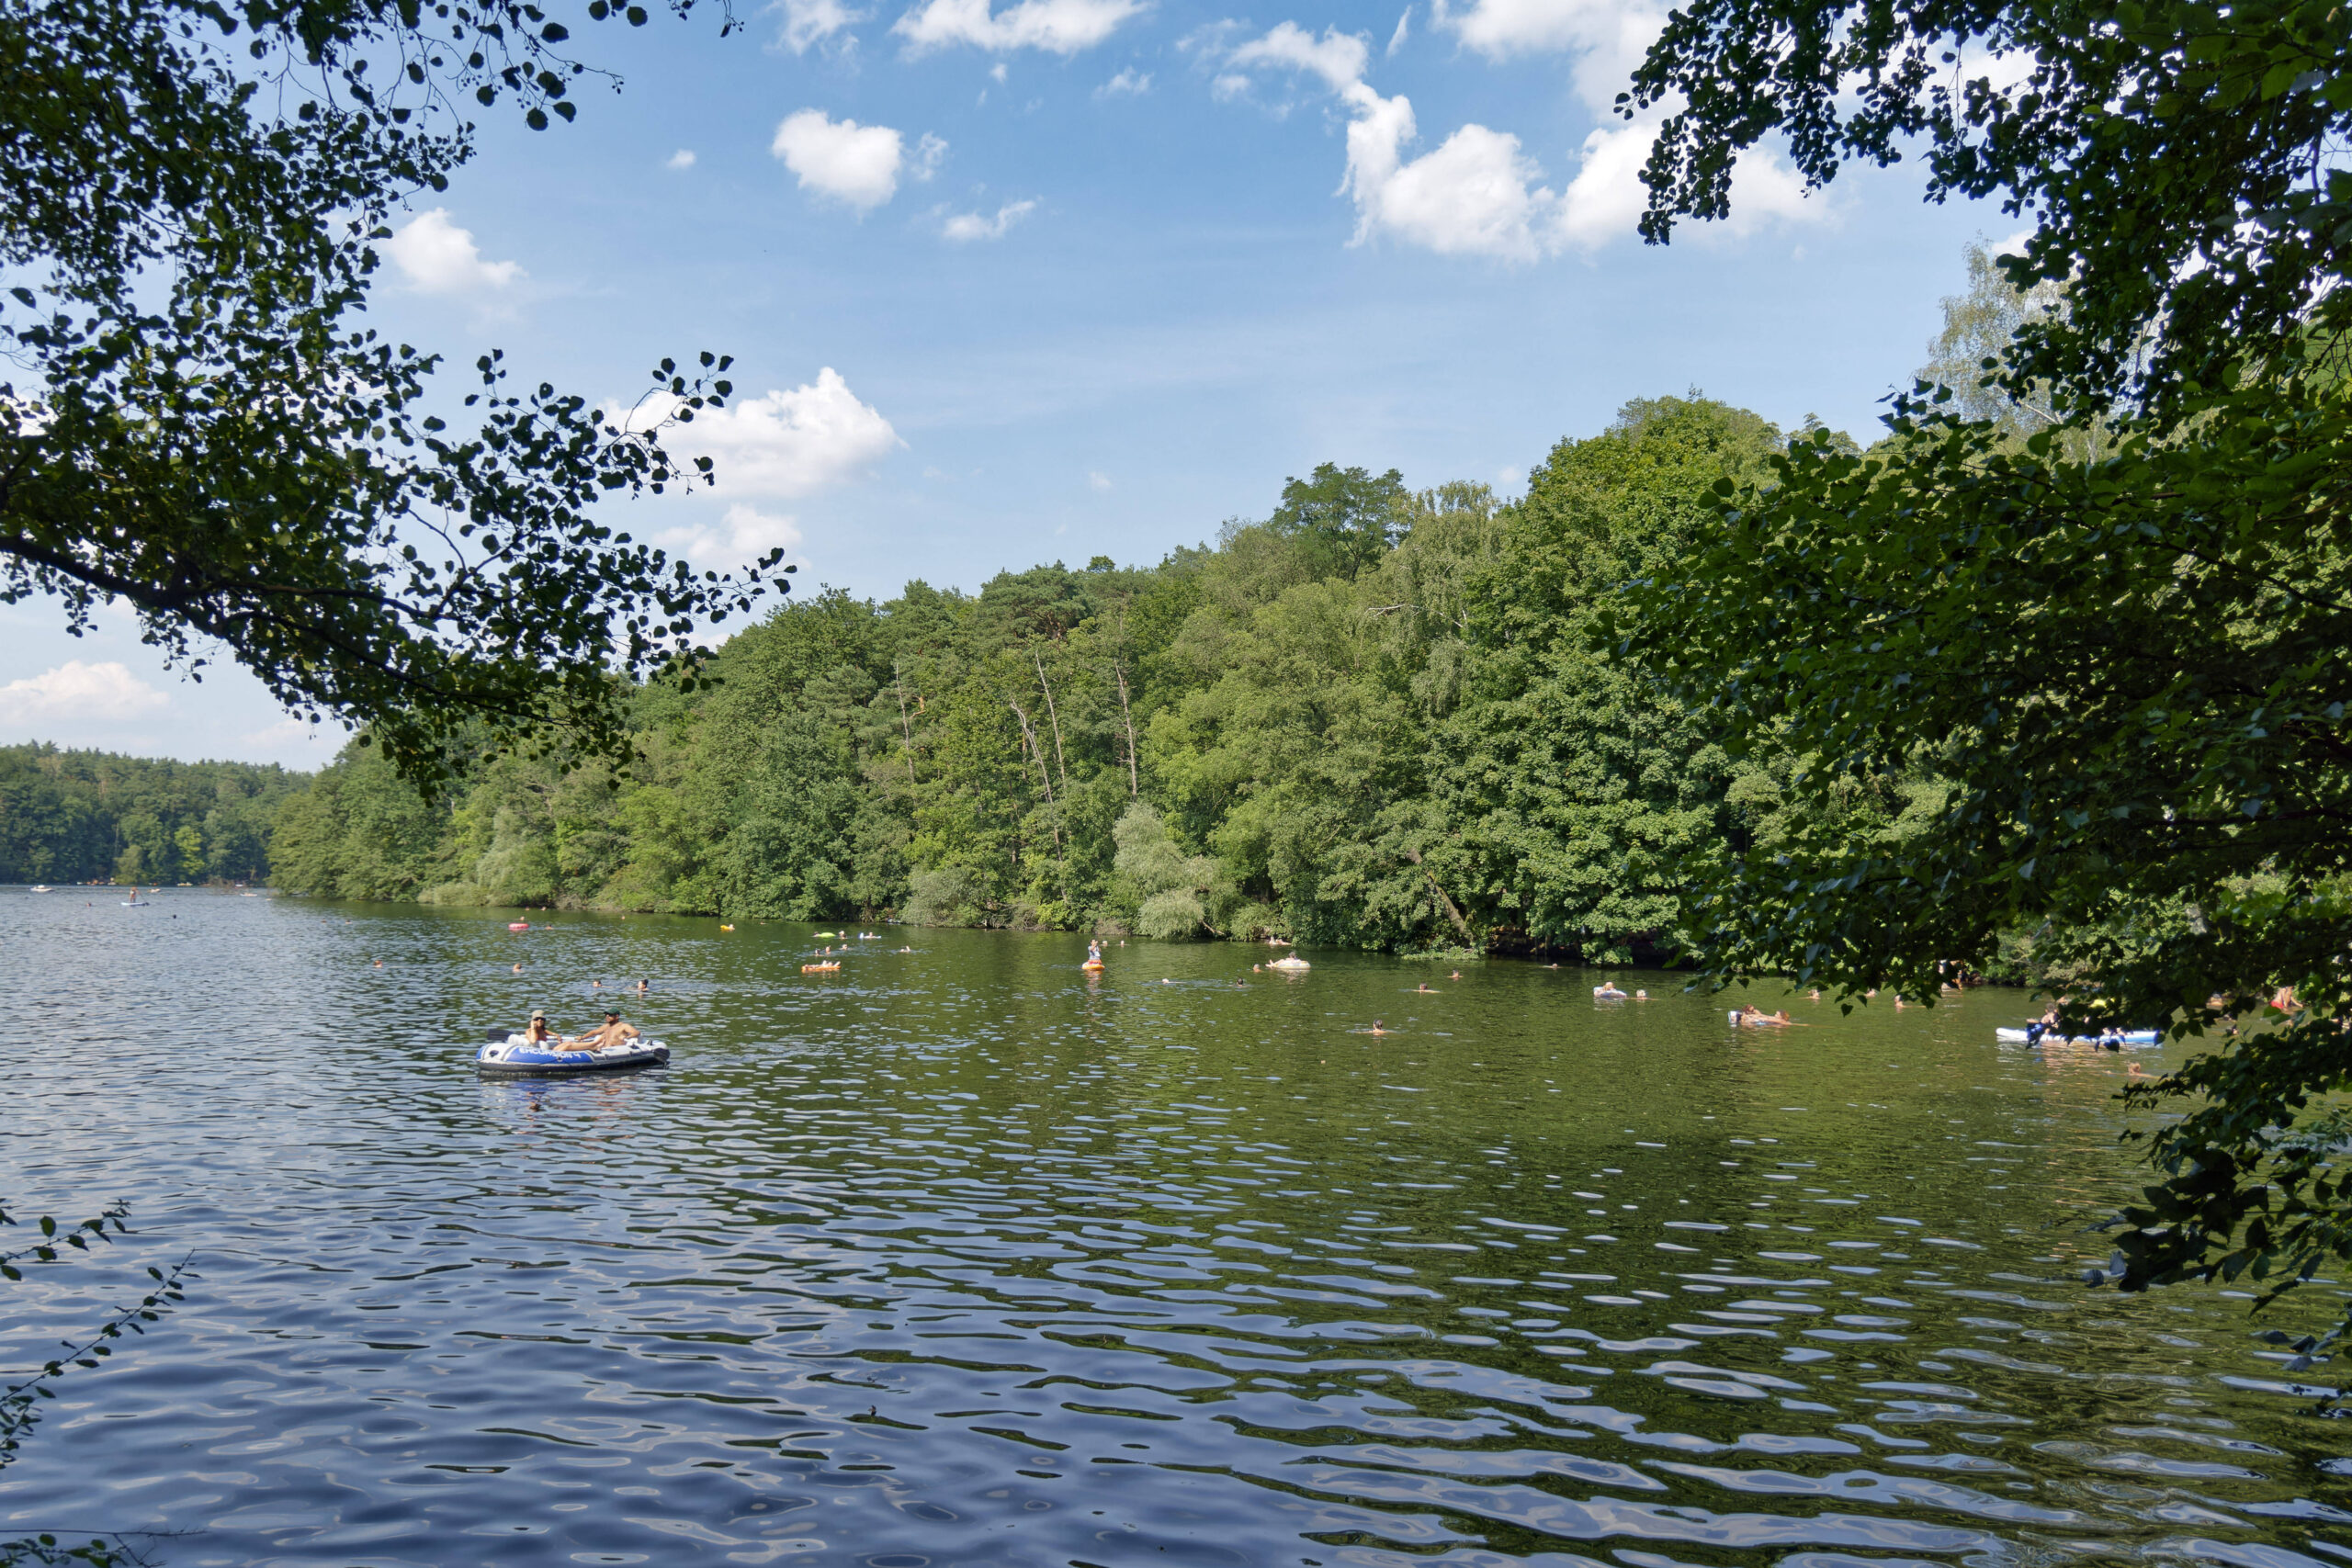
(190, 195)
(2093, 678)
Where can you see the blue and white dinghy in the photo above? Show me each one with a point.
(2117, 1037)
(512, 1058)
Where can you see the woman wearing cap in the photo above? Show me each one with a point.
(540, 1036)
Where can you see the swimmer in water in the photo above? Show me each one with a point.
(1424, 990)
(379, 964)
(643, 986)
(1455, 975)
(1641, 995)
(518, 968)
(1375, 1028)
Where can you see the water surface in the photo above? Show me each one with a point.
(959, 1256)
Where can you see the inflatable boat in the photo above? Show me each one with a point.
(2130, 1037)
(513, 1058)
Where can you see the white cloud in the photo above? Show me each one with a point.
(684, 158)
(965, 227)
(1098, 482)
(291, 731)
(1338, 58)
(785, 444)
(1469, 197)
(1126, 82)
(857, 164)
(75, 690)
(1608, 37)
(1404, 25)
(1062, 27)
(1605, 200)
(808, 23)
(742, 536)
(998, 73)
(438, 257)
(1478, 193)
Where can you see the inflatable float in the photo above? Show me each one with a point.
(518, 925)
(820, 968)
(515, 1058)
(2127, 1037)
(1289, 962)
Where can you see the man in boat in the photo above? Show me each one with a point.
(613, 1032)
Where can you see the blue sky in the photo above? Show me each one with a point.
(1020, 282)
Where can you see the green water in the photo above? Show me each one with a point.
(961, 1256)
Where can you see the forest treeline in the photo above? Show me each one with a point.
(1376, 718)
(84, 816)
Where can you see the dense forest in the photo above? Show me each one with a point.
(84, 816)
(1374, 718)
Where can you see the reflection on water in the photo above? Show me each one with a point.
(958, 1257)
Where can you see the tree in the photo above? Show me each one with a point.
(202, 432)
(1578, 784)
(2126, 674)
(2178, 158)
(1349, 517)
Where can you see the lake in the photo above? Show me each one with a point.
(961, 1256)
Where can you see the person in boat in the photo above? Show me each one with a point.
(1094, 953)
(539, 1036)
(613, 1032)
(1607, 991)
(2043, 1025)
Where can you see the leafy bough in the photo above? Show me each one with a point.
(19, 1401)
(2110, 696)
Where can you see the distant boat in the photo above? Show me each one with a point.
(135, 901)
(43, 888)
